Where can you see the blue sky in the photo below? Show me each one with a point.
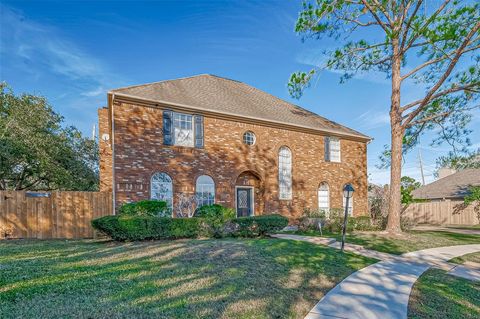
(74, 52)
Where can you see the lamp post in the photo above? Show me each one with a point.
(347, 193)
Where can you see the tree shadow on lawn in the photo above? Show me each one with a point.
(253, 278)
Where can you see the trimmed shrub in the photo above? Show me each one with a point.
(145, 208)
(216, 219)
(132, 228)
(259, 225)
(363, 223)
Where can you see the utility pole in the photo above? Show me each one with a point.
(421, 165)
(94, 132)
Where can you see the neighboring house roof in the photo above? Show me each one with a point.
(216, 94)
(452, 186)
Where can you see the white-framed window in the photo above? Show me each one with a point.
(285, 173)
(205, 190)
(161, 188)
(183, 129)
(332, 149)
(249, 138)
(324, 197)
(350, 203)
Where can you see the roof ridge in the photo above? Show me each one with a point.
(161, 81)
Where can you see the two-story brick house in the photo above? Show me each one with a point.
(228, 143)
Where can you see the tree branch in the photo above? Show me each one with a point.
(429, 20)
(418, 68)
(444, 77)
(439, 94)
(380, 22)
(409, 22)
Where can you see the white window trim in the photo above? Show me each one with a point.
(171, 184)
(327, 209)
(174, 135)
(335, 139)
(200, 191)
(290, 193)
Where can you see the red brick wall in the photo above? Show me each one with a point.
(105, 151)
(139, 153)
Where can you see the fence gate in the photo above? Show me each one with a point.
(46, 215)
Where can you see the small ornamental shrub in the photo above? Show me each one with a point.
(259, 225)
(216, 219)
(132, 228)
(145, 208)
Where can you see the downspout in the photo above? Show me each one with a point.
(113, 155)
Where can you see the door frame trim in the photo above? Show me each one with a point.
(252, 202)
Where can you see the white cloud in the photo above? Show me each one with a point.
(40, 49)
(373, 119)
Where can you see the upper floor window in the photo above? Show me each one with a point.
(323, 197)
(182, 129)
(205, 190)
(332, 149)
(161, 188)
(285, 173)
(249, 138)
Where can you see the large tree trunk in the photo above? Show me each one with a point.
(397, 130)
(394, 204)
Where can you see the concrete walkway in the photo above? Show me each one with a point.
(382, 290)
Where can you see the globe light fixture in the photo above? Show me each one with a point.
(347, 193)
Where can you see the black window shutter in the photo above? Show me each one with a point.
(327, 149)
(167, 127)
(199, 131)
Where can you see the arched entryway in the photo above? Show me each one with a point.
(249, 192)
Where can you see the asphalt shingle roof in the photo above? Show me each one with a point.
(221, 95)
(452, 186)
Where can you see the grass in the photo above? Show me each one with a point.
(255, 278)
(474, 257)
(405, 242)
(439, 295)
(474, 227)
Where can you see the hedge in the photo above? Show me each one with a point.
(133, 228)
(145, 208)
(259, 225)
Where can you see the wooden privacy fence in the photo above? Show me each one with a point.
(51, 214)
(442, 213)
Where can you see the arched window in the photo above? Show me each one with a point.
(285, 173)
(323, 197)
(350, 203)
(205, 190)
(161, 188)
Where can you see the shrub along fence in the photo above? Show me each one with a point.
(45, 215)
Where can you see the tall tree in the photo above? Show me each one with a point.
(433, 44)
(37, 152)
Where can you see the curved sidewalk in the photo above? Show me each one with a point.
(382, 290)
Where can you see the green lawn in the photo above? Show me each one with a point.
(474, 257)
(439, 295)
(263, 278)
(474, 227)
(406, 242)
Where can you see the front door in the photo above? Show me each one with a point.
(244, 201)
